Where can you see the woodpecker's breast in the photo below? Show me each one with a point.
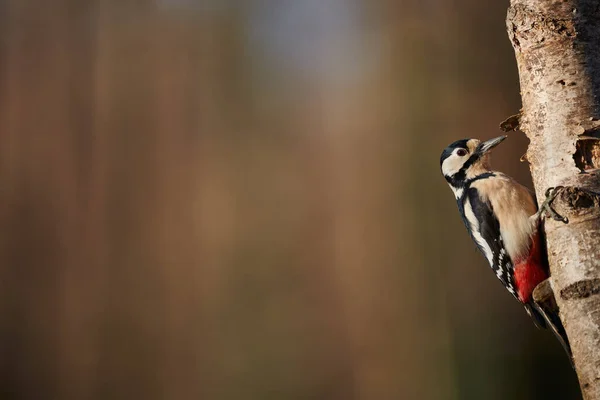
(513, 206)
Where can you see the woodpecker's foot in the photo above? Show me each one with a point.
(546, 207)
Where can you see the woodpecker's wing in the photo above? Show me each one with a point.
(484, 228)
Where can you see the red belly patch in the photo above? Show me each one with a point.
(530, 271)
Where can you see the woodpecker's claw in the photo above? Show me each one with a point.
(546, 207)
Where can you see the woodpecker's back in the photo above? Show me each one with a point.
(500, 216)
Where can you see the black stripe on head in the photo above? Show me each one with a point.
(480, 177)
(474, 157)
(459, 179)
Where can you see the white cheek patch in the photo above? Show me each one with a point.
(452, 165)
(487, 251)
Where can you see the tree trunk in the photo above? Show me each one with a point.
(557, 46)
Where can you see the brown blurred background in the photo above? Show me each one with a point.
(220, 199)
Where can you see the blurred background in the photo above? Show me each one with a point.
(220, 199)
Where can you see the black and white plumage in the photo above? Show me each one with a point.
(485, 197)
(502, 219)
(483, 226)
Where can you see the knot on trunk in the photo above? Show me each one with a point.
(575, 203)
(581, 289)
(578, 198)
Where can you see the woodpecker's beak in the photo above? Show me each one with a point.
(488, 145)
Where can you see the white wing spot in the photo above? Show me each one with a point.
(487, 251)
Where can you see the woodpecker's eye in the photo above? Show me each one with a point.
(461, 152)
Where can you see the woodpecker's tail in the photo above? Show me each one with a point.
(550, 320)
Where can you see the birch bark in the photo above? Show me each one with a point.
(557, 47)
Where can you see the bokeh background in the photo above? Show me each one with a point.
(220, 199)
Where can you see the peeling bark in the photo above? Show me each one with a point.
(557, 47)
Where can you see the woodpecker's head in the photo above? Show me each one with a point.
(466, 159)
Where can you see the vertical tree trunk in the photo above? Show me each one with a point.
(557, 46)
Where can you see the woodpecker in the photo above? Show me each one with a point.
(502, 219)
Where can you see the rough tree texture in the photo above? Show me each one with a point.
(557, 46)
